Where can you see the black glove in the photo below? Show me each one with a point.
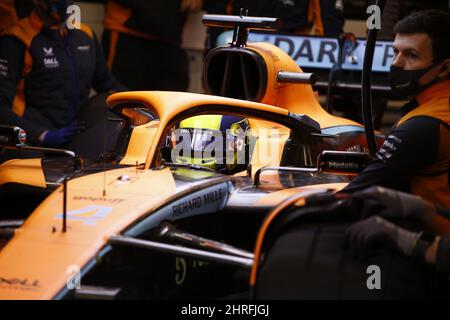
(366, 236)
(397, 205)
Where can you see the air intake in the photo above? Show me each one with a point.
(233, 72)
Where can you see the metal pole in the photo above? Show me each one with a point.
(366, 80)
(64, 227)
(183, 251)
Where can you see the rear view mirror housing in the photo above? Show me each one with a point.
(342, 162)
(12, 137)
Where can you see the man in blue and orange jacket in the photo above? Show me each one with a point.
(47, 70)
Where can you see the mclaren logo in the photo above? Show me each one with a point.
(84, 48)
(23, 284)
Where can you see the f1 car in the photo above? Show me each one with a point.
(112, 229)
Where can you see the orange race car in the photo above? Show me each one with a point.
(107, 230)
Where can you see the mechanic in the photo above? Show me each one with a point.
(46, 73)
(368, 235)
(415, 157)
(143, 48)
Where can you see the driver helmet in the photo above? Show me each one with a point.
(218, 142)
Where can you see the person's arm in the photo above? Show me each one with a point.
(366, 237)
(406, 150)
(104, 81)
(12, 57)
(396, 206)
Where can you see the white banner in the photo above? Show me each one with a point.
(322, 53)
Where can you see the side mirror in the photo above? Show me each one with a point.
(12, 137)
(342, 162)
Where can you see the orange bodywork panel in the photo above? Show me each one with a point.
(22, 171)
(169, 104)
(141, 140)
(39, 255)
(296, 98)
(275, 198)
(268, 148)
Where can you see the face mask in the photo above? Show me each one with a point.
(405, 83)
(53, 12)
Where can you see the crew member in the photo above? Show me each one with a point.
(142, 41)
(47, 70)
(381, 232)
(415, 157)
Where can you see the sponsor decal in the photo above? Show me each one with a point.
(22, 136)
(388, 148)
(4, 67)
(50, 60)
(210, 199)
(4, 139)
(74, 279)
(51, 63)
(23, 284)
(343, 165)
(98, 199)
(322, 53)
(186, 206)
(192, 204)
(84, 48)
(90, 215)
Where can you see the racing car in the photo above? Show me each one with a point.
(139, 223)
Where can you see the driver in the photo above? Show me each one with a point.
(415, 157)
(218, 142)
(47, 70)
